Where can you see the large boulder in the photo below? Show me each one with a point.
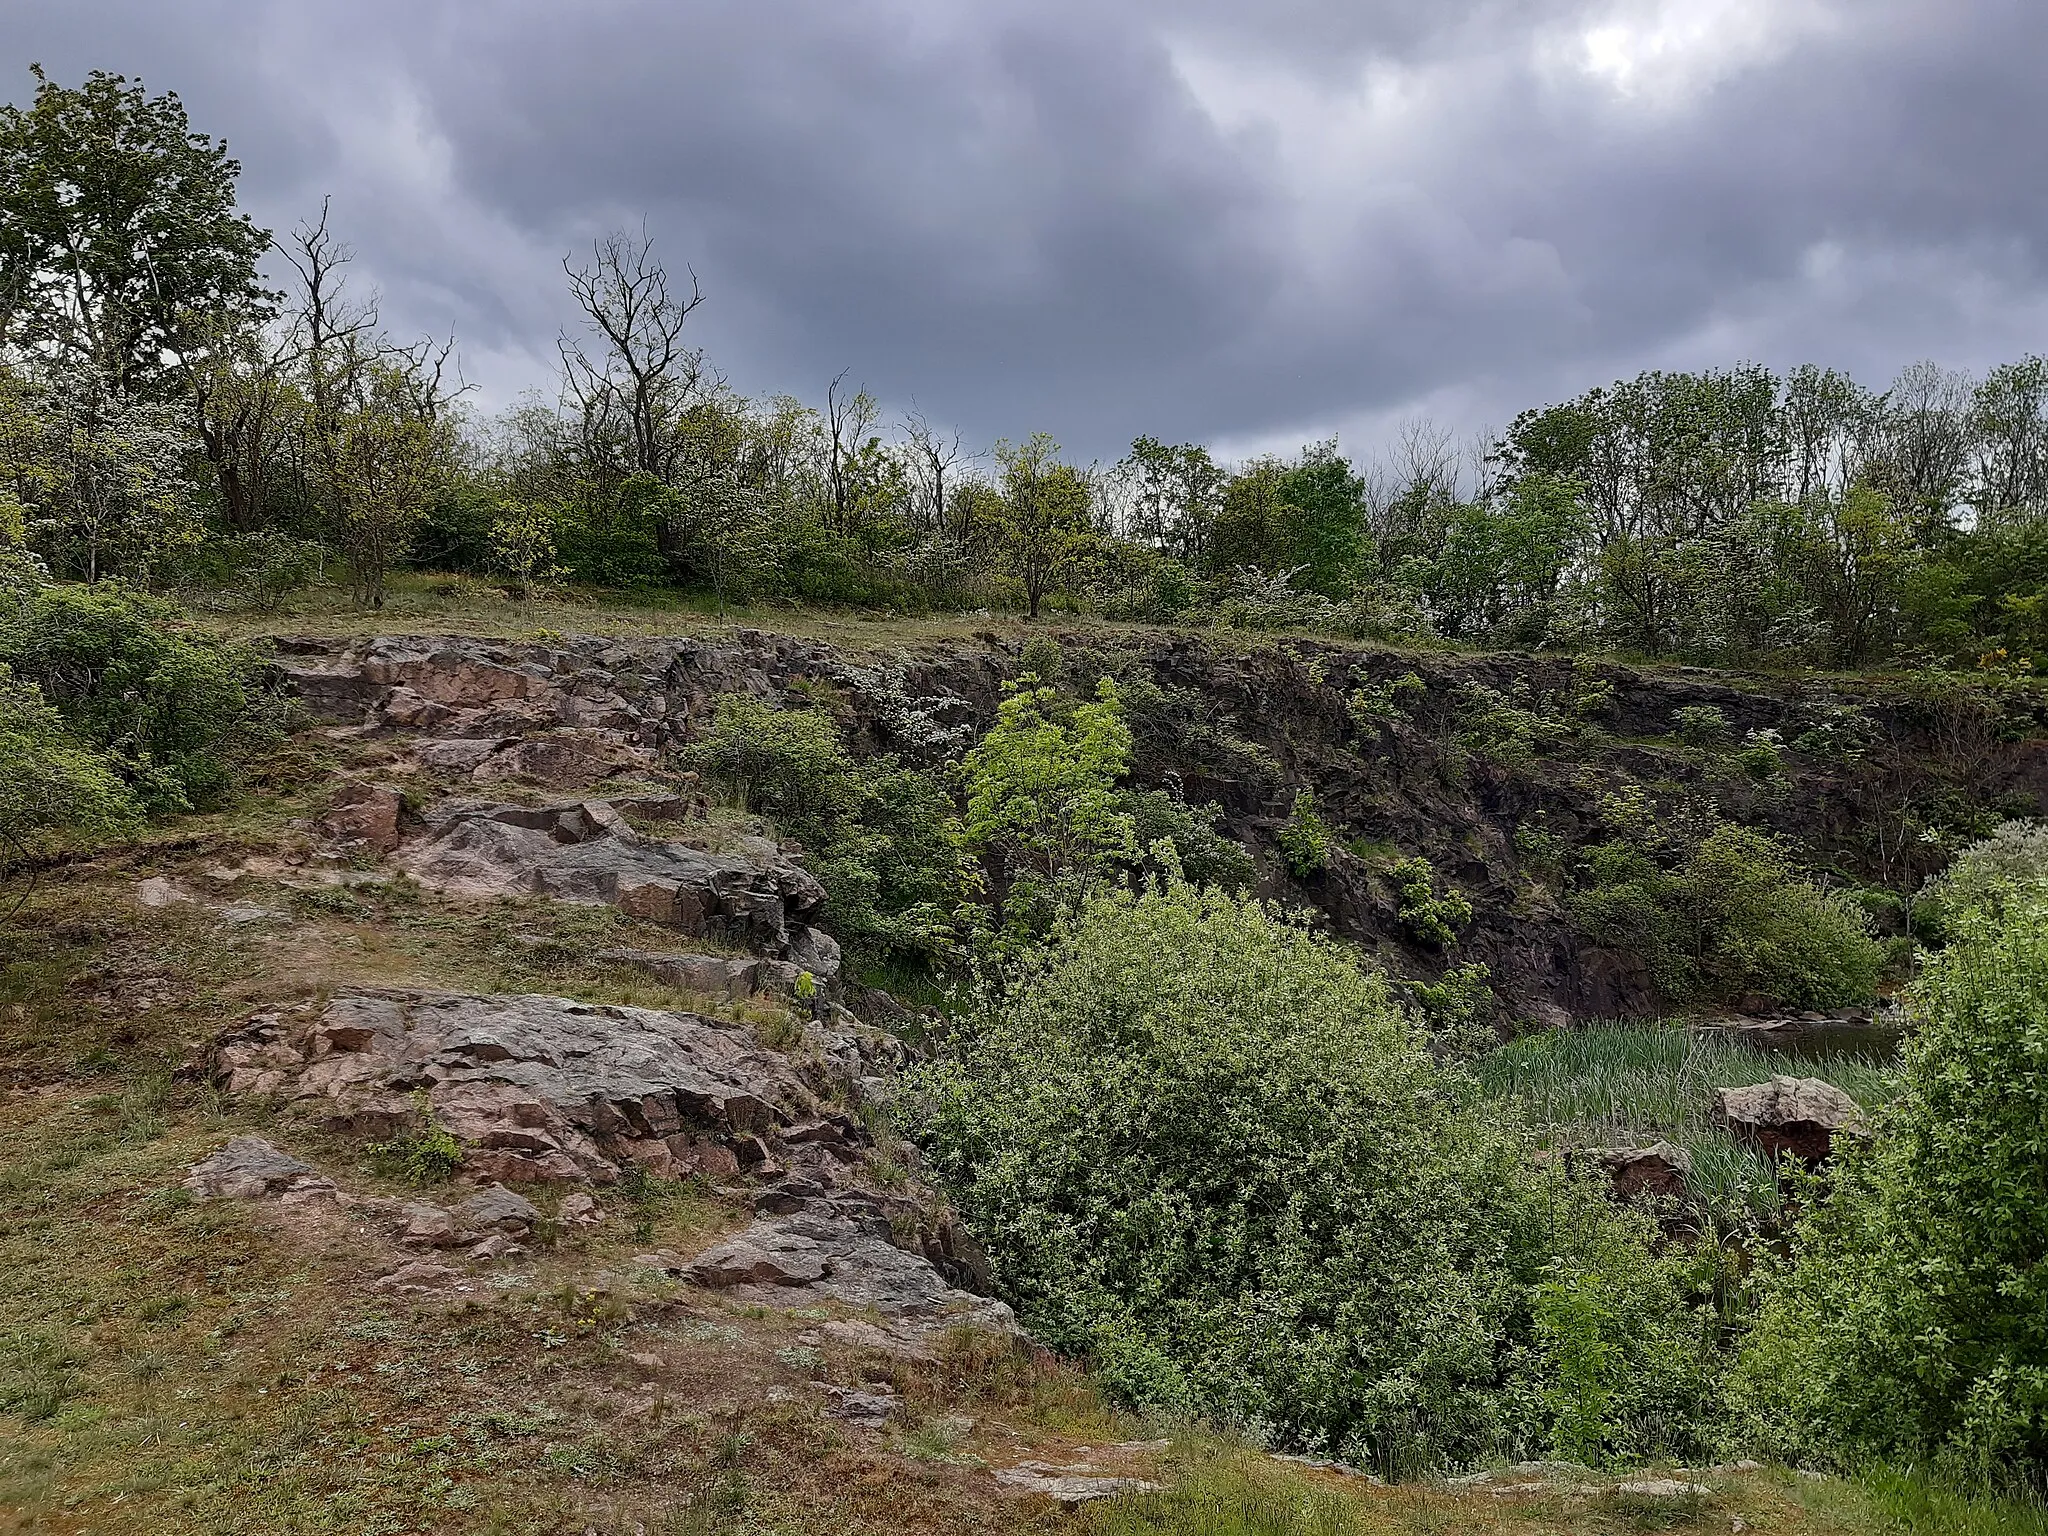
(1789, 1116)
(585, 851)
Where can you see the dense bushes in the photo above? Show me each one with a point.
(171, 713)
(879, 836)
(1913, 1322)
(1208, 1152)
(1720, 912)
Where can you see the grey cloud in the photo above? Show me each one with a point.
(1027, 216)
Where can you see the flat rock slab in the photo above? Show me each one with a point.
(539, 1088)
(585, 851)
(797, 1260)
(248, 1168)
(1070, 1486)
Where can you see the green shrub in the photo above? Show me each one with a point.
(1206, 1151)
(1731, 916)
(1428, 917)
(1372, 705)
(1304, 837)
(1912, 1324)
(1458, 1008)
(426, 1154)
(1761, 757)
(1700, 725)
(879, 836)
(1041, 789)
(1206, 856)
(2011, 862)
(49, 780)
(172, 713)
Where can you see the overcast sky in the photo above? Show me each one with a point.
(1251, 224)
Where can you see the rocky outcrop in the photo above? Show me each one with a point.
(587, 851)
(547, 1090)
(543, 1089)
(1657, 1172)
(362, 816)
(1789, 1116)
(248, 1168)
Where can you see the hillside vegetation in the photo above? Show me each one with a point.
(669, 962)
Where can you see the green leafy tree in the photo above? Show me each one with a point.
(103, 470)
(1208, 1153)
(1042, 789)
(119, 240)
(523, 545)
(1043, 525)
(1912, 1323)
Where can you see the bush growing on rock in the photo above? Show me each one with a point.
(1722, 913)
(1912, 1323)
(1208, 1152)
(879, 836)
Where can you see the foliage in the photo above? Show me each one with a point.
(1912, 1323)
(1041, 791)
(1041, 527)
(1458, 1008)
(426, 1154)
(172, 713)
(1205, 855)
(1700, 725)
(1205, 1150)
(49, 780)
(880, 837)
(2010, 864)
(523, 545)
(119, 238)
(1371, 705)
(1718, 911)
(102, 469)
(1430, 918)
(1304, 837)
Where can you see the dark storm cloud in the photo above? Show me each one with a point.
(1177, 216)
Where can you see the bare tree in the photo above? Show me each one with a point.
(934, 457)
(849, 424)
(643, 380)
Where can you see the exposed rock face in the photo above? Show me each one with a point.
(362, 815)
(542, 1088)
(1789, 1116)
(728, 976)
(1656, 1172)
(842, 1250)
(248, 1168)
(1070, 1486)
(585, 851)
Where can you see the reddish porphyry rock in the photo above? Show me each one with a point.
(365, 815)
(1655, 1172)
(1789, 1116)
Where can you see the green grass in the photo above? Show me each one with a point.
(1620, 1082)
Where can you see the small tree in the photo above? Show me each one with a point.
(1042, 523)
(523, 545)
(1041, 793)
(379, 464)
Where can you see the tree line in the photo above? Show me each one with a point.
(171, 415)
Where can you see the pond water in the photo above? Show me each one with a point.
(1829, 1041)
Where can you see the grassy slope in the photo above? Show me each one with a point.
(166, 1366)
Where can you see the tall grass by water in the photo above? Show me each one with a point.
(1619, 1083)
